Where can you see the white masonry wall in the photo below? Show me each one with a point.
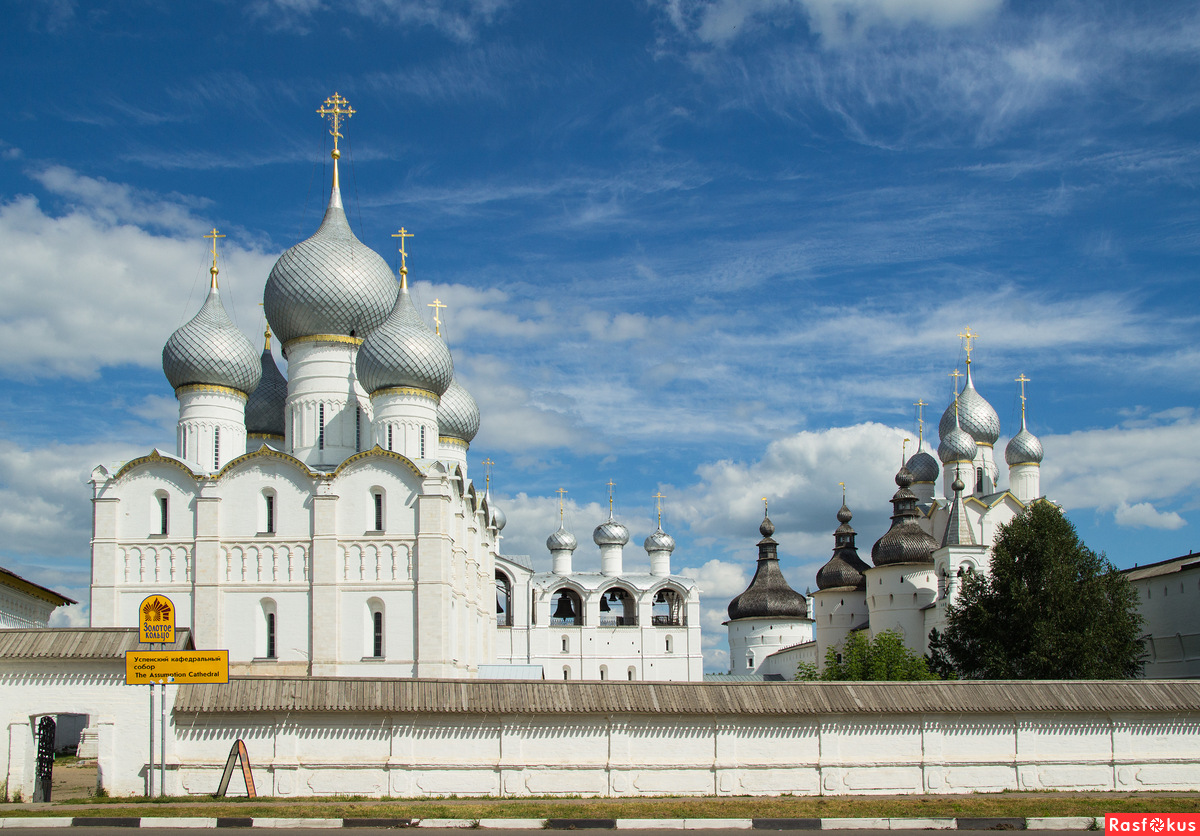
(379, 754)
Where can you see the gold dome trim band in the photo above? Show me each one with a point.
(451, 441)
(406, 390)
(210, 387)
(323, 338)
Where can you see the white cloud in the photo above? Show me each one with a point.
(1144, 515)
(91, 288)
(458, 19)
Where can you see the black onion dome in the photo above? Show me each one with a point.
(209, 350)
(769, 595)
(403, 352)
(330, 283)
(905, 541)
(265, 407)
(845, 568)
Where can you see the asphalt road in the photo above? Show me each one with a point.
(458, 831)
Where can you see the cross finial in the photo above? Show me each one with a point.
(611, 484)
(956, 374)
(920, 405)
(487, 479)
(214, 235)
(561, 493)
(337, 110)
(843, 486)
(764, 506)
(658, 498)
(904, 451)
(267, 329)
(402, 234)
(968, 336)
(1022, 380)
(437, 305)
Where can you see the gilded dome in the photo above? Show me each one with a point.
(208, 349)
(265, 408)
(330, 283)
(458, 414)
(404, 352)
(975, 415)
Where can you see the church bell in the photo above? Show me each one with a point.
(564, 608)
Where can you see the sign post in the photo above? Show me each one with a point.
(156, 624)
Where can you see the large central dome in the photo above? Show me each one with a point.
(331, 283)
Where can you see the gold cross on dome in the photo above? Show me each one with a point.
(611, 484)
(956, 374)
(659, 497)
(764, 499)
(437, 305)
(843, 487)
(336, 109)
(904, 451)
(920, 405)
(561, 493)
(1022, 380)
(214, 235)
(487, 481)
(969, 337)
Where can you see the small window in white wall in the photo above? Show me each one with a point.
(377, 497)
(979, 480)
(357, 429)
(603, 672)
(163, 511)
(566, 672)
(216, 448)
(389, 437)
(321, 427)
(668, 644)
(566, 645)
(377, 634)
(750, 660)
(632, 674)
(268, 506)
(270, 628)
(422, 441)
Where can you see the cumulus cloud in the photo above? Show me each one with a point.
(95, 287)
(1144, 515)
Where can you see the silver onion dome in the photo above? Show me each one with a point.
(1024, 448)
(499, 518)
(458, 414)
(975, 415)
(561, 540)
(660, 541)
(265, 407)
(610, 533)
(957, 446)
(923, 467)
(331, 283)
(209, 349)
(403, 351)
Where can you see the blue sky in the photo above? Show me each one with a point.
(716, 248)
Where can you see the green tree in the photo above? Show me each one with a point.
(1050, 609)
(884, 658)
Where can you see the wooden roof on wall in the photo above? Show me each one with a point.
(441, 696)
(80, 642)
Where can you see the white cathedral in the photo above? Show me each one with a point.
(326, 525)
(934, 540)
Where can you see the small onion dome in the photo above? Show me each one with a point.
(265, 408)
(660, 541)
(209, 349)
(458, 414)
(404, 352)
(905, 541)
(923, 467)
(844, 516)
(769, 595)
(499, 518)
(957, 446)
(975, 415)
(1024, 448)
(331, 283)
(561, 540)
(610, 533)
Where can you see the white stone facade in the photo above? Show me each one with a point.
(26, 604)
(1168, 594)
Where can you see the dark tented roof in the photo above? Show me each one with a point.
(440, 696)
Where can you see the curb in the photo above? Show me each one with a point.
(1055, 823)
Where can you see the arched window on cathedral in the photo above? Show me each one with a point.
(503, 600)
(667, 645)
(603, 672)
(979, 480)
(268, 629)
(377, 509)
(422, 453)
(266, 523)
(321, 427)
(389, 438)
(750, 661)
(566, 672)
(216, 448)
(631, 673)
(375, 626)
(357, 429)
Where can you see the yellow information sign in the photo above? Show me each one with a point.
(180, 667)
(156, 620)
